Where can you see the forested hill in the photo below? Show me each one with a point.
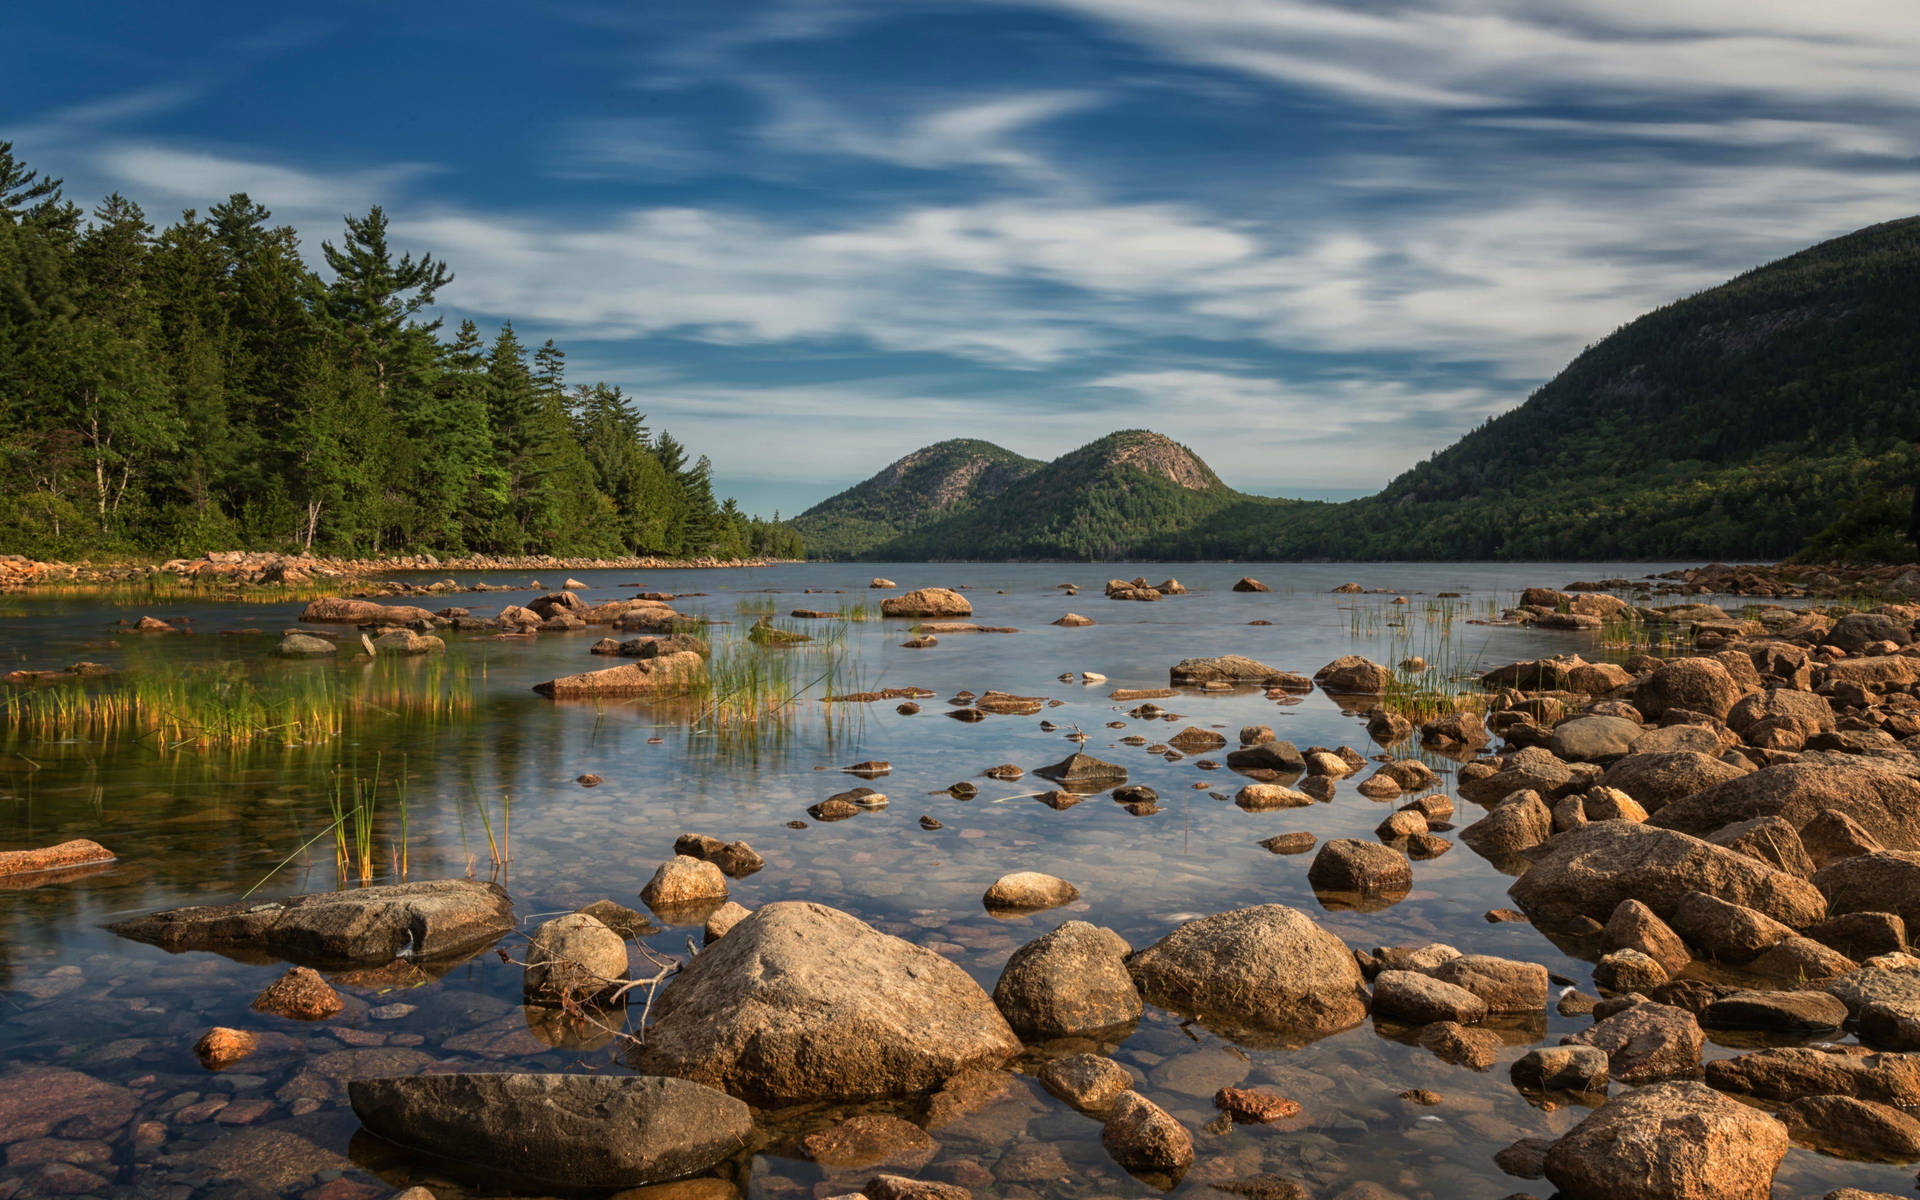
(917, 490)
(1775, 414)
(201, 387)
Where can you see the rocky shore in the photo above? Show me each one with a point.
(241, 568)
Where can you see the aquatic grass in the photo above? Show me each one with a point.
(229, 707)
(162, 588)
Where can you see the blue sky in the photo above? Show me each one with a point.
(1314, 240)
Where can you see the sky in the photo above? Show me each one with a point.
(1314, 240)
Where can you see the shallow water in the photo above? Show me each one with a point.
(203, 827)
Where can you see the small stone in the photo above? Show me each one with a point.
(299, 995)
(220, 1047)
(1253, 1106)
(1086, 1081)
(1145, 1140)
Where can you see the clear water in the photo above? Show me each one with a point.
(193, 827)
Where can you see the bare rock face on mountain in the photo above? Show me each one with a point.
(1267, 969)
(438, 918)
(801, 1003)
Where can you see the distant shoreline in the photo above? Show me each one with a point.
(240, 569)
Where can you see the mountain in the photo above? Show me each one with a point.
(1774, 414)
(923, 487)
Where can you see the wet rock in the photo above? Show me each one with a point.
(1250, 584)
(1799, 960)
(870, 1140)
(407, 642)
(1562, 1069)
(927, 602)
(1194, 740)
(569, 1131)
(1452, 1042)
(723, 919)
(573, 959)
(1233, 669)
(221, 1047)
(735, 859)
(429, 919)
(1634, 926)
(1363, 868)
(299, 995)
(1520, 822)
(64, 857)
(1352, 675)
(1278, 756)
(1625, 971)
(1856, 1129)
(1646, 1042)
(1594, 739)
(1288, 843)
(646, 676)
(1087, 1081)
(1028, 891)
(34, 1101)
(800, 1002)
(1529, 770)
(1781, 1012)
(305, 645)
(1699, 685)
(1268, 797)
(1507, 985)
(1080, 772)
(619, 918)
(1146, 1141)
(1416, 999)
(339, 610)
(1268, 968)
(1789, 1073)
(1401, 824)
(1587, 872)
(1673, 1141)
(1461, 728)
(684, 883)
(1070, 982)
(1074, 621)
(1387, 727)
(1254, 1106)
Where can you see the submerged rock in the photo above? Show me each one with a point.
(564, 1131)
(800, 1002)
(299, 995)
(429, 919)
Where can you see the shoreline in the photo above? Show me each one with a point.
(242, 568)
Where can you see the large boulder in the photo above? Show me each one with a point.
(1856, 631)
(559, 1131)
(338, 610)
(646, 676)
(1645, 1042)
(1781, 718)
(1790, 1072)
(1233, 668)
(1594, 739)
(1672, 1141)
(1267, 970)
(1880, 799)
(927, 602)
(1585, 873)
(1072, 981)
(438, 918)
(1701, 685)
(1887, 881)
(800, 1003)
(1657, 780)
(1352, 675)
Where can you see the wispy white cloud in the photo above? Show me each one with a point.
(185, 175)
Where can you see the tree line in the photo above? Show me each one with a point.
(201, 386)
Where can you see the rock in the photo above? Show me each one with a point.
(1885, 881)
(1277, 756)
(800, 1002)
(1268, 797)
(1728, 932)
(643, 677)
(1594, 739)
(1399, 824)
(338, 610)
(1532, 769)
(870, 1140)
(1233, 668)
(1194, 740)
(1267, 969)
(64, 857)
(220, 1047)
(1699, 685)
(1612, 804)
(1289, 843)
(1561, 1069)
(1086, 1081)
(305, 645)
(1416, 999)
(1070, 982)
(1249, 584)
(573, 959)
(1252, 1106)
(684, 883)
(735, 859)
(1646, 1042)
(1507, 985)
(1658, 780)
(1353, 675)
(1781, 1012)
(1798, 959)
(34, 1101)
(619, 918)
(1857, 1129)
(1463, 727)
(1788, 1073)
(1625, 971)
(1386, 727)
(299, 995)
(1634, 926)
(1771, 840)
(1673, 1141)
(1364, 868)
(723, 919)
(927, 602)
(1074, 621)
(1880, 800)
(407, 642)
(563, 1131)
(1520, 822)
(1587, 872)
(898, 1187)
(1781, 718)
(882, 584)
(1080, 772)
(1146, 1141)
(1452, 1042)
(1832, 836)
(1861, 935)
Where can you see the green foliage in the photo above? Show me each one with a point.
(200, 387)
(918, 490)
